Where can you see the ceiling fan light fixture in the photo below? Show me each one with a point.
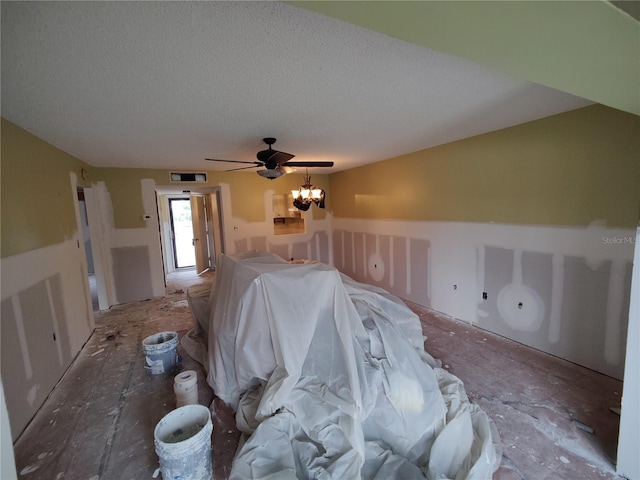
(270, 173)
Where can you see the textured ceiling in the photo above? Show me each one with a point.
(166, 84)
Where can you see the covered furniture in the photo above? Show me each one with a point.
(329, 379)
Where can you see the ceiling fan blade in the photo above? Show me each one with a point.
(281, 157)
(308, 164)
(233, 161)
(242, 168)
(273, 157)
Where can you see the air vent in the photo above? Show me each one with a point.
(199, 177)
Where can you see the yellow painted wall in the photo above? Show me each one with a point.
(568, 169)
(36, 197)
(247, 191)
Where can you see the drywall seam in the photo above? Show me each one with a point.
(364, 257)
(391, 264)
(353, 252)
(408, 264)
(54, 319)
(343, 249)
(22, 337)
(557, 293)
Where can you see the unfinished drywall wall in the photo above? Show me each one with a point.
(45, 321)
(396, 263)
(45, 301)
(565, 291)
(314, 244)
(539, 217)
(560, 304)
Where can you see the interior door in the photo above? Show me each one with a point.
(200, 237)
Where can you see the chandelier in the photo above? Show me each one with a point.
(307, 194)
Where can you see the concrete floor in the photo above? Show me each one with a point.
(553, 417)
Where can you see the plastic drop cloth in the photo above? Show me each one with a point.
(329, 379)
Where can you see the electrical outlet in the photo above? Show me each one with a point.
(484, 295)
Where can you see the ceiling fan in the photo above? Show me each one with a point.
(275, 163)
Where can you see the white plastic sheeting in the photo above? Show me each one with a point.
(329, 379)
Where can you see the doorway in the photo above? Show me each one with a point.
(191, 229)
(182, 232)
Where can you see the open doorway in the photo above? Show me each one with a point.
(190, 228)
(182, 232)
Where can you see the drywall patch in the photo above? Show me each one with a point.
(299, 251)
(258, 243)
(519, 292)
(597, 336)
(338, 249)
(132, 273)
(280, 250)
(32, 394)
(583, 311)
(360, 256)
(241, 246)
(14, 379)
(375, 267)
(322, 242)
(399, 259)
(418, 271)
(519, 305)
(26, 386)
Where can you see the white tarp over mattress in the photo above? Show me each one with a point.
(330, 379)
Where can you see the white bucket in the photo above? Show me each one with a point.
(160, 352)
(183, 443)
(185, 386)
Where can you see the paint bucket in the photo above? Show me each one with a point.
(185, 386)
(160, 352)
(183, 443)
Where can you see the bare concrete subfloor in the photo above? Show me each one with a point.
(553, 417)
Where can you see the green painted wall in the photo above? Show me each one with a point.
(37, 204)
(568, 169)
(247, 191)
(588, 48)
(35, 192)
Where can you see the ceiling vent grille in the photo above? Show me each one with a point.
(188, 177)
